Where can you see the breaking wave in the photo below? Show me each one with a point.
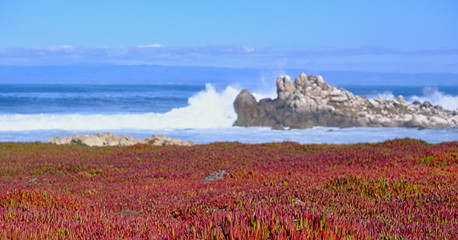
(436, 97)
(206, 109)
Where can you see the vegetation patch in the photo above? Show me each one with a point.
(77, 142)
(398, 189)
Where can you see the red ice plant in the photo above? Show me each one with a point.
(395, 189)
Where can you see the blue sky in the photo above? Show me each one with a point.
(401, 36)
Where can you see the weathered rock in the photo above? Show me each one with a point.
(285, 87)
(416, 102)
(417, 121)
(246, 108)
(373, 103)
(33, 181)
(312, 102)
(438, 121)
(321, 83)
(427, 104)
(400, 99)
(339, 99)
(215, 176)
(92, 140)
(300, 81)
(108, 139)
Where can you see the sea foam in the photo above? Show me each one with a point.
(437, 97)
(431, 94)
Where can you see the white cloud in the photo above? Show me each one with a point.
(60, 47)
(154, 45)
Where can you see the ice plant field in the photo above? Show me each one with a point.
(398, 189)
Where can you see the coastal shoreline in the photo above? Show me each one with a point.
(253, 135)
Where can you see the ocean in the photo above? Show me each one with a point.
(201, 113)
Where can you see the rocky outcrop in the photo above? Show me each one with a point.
(310, 101)
(108, 139)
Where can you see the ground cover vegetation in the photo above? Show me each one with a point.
(398, 189)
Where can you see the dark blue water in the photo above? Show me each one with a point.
(406, 91)
(31, 99)
(109, 99)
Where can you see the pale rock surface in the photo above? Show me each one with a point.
(108, 139)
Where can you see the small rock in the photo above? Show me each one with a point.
(373, 103)
(362, 114)
(300, 80)
(400, 99)
(215, 176)
(324, 94)
(278, 126)
(128, 212)
(335, 93)
(339, 99)
(427, 104)
(438, 122)
(285, 87)
(33, 181)
(418, 121)
(320, 82)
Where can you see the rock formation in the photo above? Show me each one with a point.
(108, 139)
(310, 101)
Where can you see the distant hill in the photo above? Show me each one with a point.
(116, 74)
(155, 74)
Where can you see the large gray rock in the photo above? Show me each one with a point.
(310, 101)
(246, 108)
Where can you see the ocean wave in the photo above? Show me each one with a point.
(436, 97)
(206, 109)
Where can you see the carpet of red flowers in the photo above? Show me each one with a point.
(398, 189)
